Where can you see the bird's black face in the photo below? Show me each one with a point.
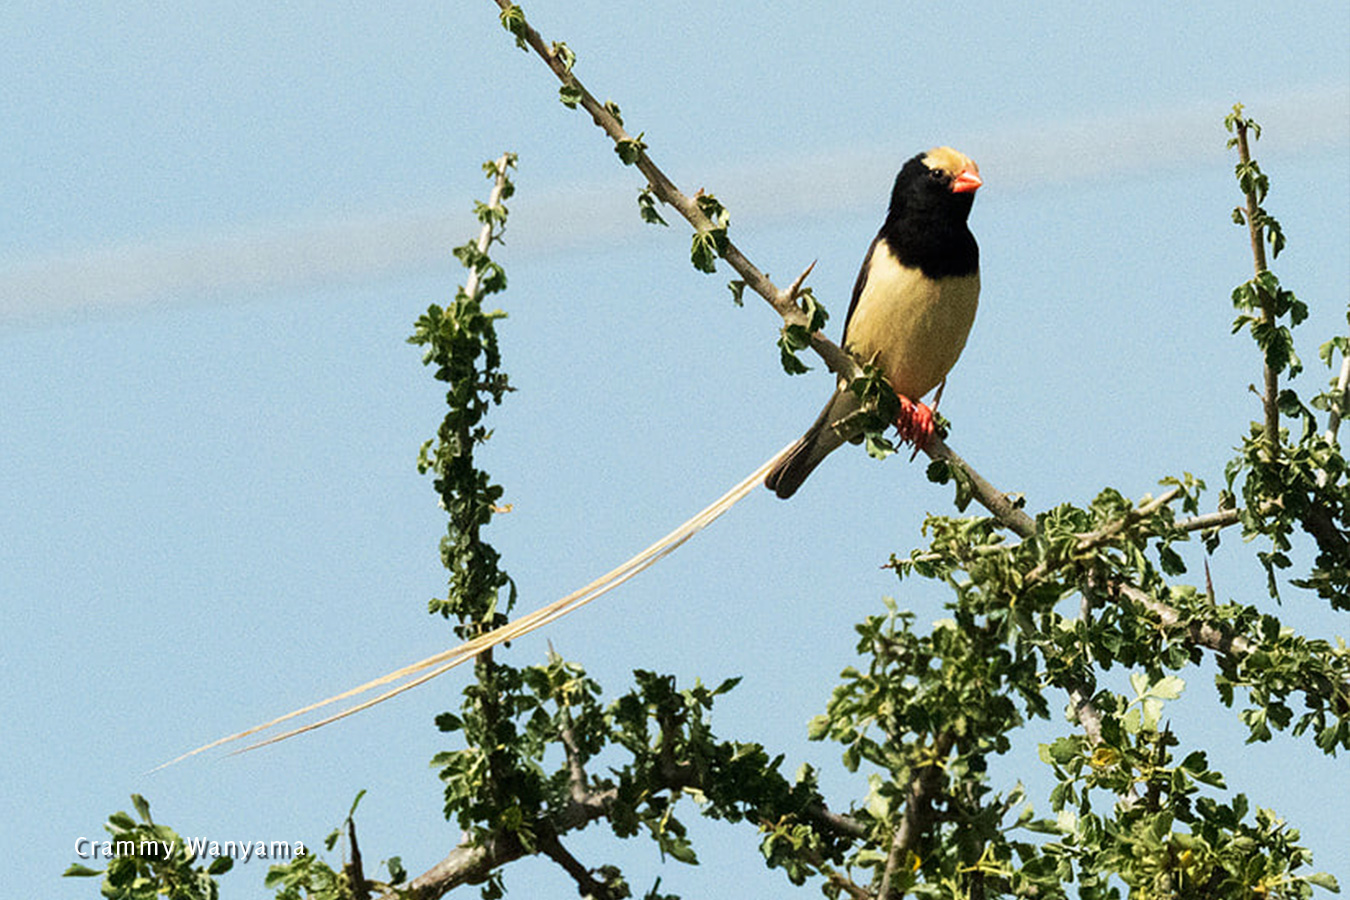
(941, 181)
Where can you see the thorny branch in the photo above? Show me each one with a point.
(783, 302)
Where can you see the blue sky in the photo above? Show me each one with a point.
(223, 222)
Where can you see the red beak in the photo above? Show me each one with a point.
(968, 180)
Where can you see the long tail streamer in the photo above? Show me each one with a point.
(446, 660)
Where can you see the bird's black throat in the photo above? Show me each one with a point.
(925, 225)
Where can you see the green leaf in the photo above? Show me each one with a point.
(629, 149)
(647, 207)
(1168, 688)
(1324, 880)
(703, 254)
(80, 871)
(513, 20)
(142, 808)
(789, 360)
(878, 447)
(737, 287)
(570, 94)
(563, 54)
(1061, 751)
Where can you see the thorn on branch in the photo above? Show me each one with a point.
(787, 300)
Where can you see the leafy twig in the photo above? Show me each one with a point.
(1253, 187)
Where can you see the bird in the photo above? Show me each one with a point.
(912, 308)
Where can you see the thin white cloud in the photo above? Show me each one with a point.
(300, 255)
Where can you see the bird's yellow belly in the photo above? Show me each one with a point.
(913, 327)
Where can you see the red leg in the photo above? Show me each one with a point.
(914, 423)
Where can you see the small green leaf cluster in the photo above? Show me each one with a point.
(1302, 490)
(647, 210)
(506, 749)
(1282, 664)
(878, 412)
(139, 874)
(512, 18)
(710, 243)
(1252, 299)
(308, 877)
(795, 337)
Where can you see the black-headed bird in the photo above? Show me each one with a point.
(912, 308)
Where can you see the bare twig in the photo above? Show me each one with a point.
(846, 826)
(471, 863)
(988, 496)
(1218, 519)
(1087, 713)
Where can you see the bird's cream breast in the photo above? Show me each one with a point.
(914, 327)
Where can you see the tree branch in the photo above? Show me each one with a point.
(1343, 394)
(1222, 518)
(472, 863)
(587, 886)
(924, 788)
(466, 864)
(353, 869)
(1270, 397)
(845, 826)
(1213, 637)
(577, 785)
(485, 233)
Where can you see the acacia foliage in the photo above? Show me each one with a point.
(1039, 609)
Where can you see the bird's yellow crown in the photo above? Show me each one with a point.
(953, 162)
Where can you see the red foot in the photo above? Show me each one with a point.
(914, 423)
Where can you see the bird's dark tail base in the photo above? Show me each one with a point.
(788, 475)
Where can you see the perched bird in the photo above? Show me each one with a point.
(912, 308)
